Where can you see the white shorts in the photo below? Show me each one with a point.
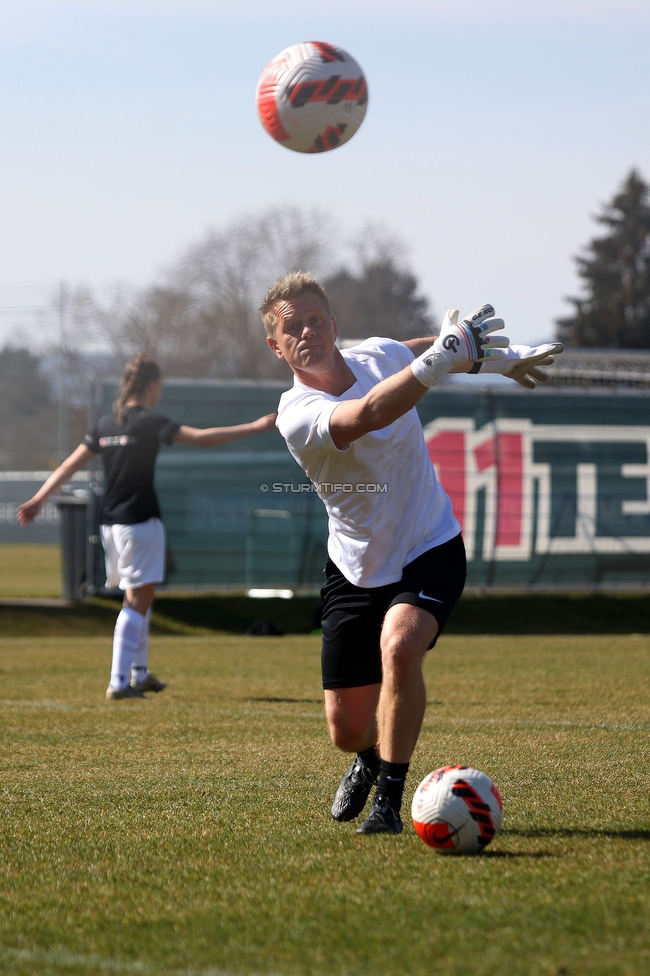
(135, 554)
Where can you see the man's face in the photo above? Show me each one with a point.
(305, 335)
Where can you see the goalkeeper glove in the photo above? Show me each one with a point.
(521, 363)
(459, 344)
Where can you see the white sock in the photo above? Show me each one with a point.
(139, 666)
(126, 638)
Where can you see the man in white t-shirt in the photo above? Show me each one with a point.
(397, 560)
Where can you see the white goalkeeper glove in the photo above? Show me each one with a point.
(521, 363)
(459, 344)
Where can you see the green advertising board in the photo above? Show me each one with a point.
(552, 488)
(227, 528)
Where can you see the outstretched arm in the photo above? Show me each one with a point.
(209, 436)
(418, 346)
(27, 512)
(387, 401)
(457, 347)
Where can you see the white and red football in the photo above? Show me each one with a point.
(312, 97)
(457, 810)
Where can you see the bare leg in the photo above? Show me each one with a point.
(352, 716)
(352, 721)
(406, 635)
(140, 599)
(394, 709)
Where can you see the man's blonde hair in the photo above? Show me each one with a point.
(290, 286)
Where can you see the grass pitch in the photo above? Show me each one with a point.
(190, 834)
(30, 570)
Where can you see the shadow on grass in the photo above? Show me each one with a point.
(289, 701)
(536, 855)
(537, 614)
(580, 832)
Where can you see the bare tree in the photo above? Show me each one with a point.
(201, 318)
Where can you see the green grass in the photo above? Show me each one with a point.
(33, 571)
(191, 833)
(29, 570)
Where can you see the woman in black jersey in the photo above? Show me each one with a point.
(132, 533)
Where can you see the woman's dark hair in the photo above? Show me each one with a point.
(137, 376)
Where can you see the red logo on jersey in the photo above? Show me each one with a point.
(119, 441)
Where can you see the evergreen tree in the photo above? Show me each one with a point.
(381, 299)
(616, 273)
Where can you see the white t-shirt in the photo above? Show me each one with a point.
(384, 502)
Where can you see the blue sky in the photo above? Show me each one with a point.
(493, 135)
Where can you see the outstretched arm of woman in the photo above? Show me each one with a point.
(27, 512)
(208, 436)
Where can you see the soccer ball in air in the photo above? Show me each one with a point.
(457, 810)
(312, 97)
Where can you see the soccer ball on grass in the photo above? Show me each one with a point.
(312, 97)
(457, 810)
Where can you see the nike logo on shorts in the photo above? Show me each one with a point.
(422, 595)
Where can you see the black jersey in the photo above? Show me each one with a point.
(128, 453)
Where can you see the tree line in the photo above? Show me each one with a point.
(200, 318)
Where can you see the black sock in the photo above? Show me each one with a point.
(392, 777)
(370, 758)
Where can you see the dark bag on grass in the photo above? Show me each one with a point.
(264, 628)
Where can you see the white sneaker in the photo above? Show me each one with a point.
(149, 683)
(114, 694)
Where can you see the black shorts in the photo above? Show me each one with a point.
(353, 615)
